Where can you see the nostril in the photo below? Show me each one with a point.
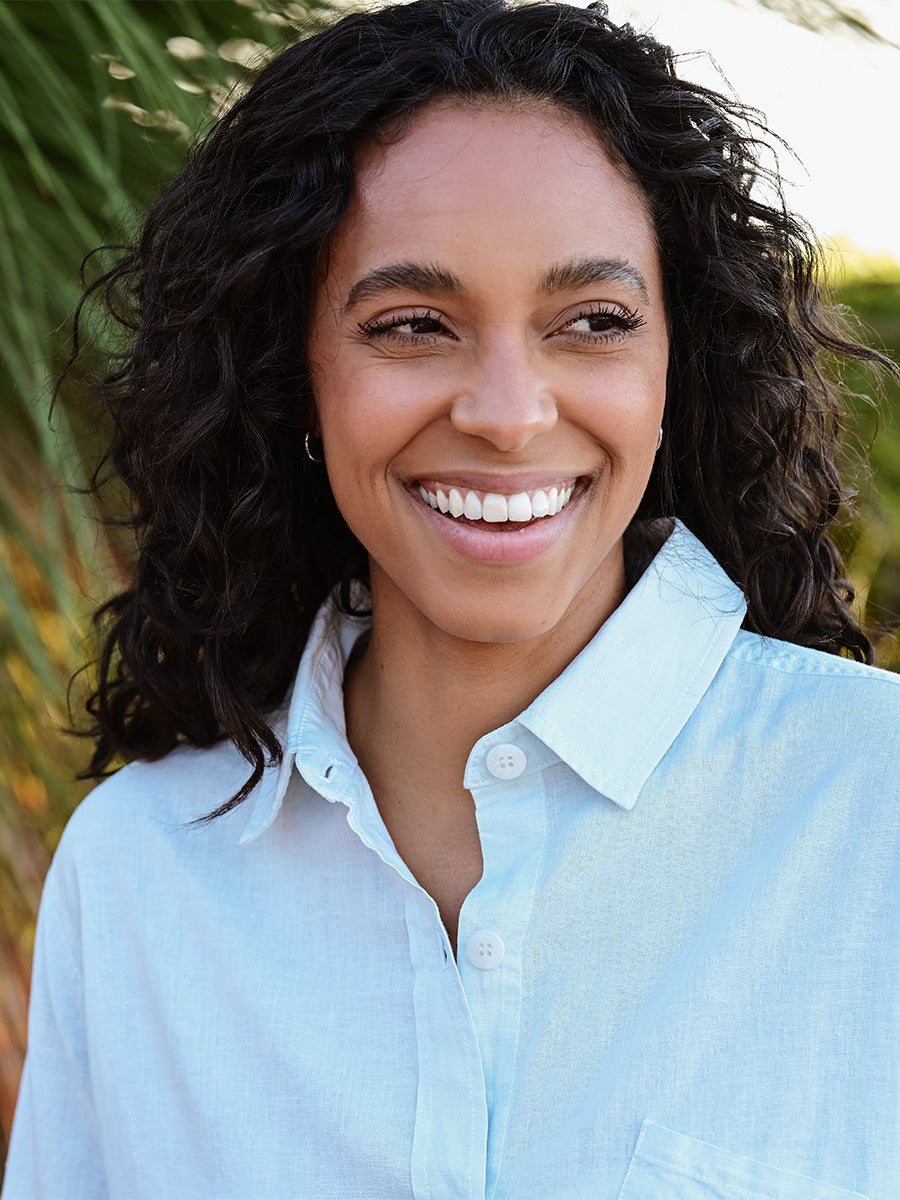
(507, 420)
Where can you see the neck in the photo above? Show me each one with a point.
(420, 695)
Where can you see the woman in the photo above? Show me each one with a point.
(563, 871)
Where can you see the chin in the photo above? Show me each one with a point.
(503, 621)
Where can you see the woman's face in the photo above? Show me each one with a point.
(491, 338)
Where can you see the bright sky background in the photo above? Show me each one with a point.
(833, 97)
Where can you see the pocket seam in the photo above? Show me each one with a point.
(735, 1189)
(696, 1171)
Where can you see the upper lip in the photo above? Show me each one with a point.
(503, 484)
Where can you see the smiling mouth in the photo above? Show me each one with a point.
(467, 505)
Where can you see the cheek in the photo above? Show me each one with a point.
(376, 410)
(364, 425)
(621, 404)
(644, 394)
(347, 411)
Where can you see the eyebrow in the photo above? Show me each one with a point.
(583, 272)
(418, 277)
(426, 277)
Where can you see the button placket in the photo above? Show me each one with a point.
(450, 1068)
(484, 948)
(505, 775)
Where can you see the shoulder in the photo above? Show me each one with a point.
(846, 708)
(148, 810)
(764, 655)
(181, 787)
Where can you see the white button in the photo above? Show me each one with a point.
(485, 950)
(506, 761)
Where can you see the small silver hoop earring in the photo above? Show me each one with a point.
(309, 454)
(658, 440)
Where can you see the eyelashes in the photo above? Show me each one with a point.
(603, 324)
(423, 324)
(421, 327)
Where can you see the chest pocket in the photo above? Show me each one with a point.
(672, 1166)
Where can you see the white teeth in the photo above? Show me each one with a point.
(539, 504)
(519, 507)
(472, 508)
(495, 508)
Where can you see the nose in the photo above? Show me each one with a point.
(506, 400)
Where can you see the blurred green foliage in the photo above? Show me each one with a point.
(870, 536)
(98, 103)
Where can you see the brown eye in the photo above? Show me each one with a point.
(405, 327)
(598, 322)
(421, 325)
(602, 324)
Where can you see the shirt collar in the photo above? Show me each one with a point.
(611, 715)
(314, 733)
(617, 708)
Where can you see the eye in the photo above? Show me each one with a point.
(416, 328)
(597, 324)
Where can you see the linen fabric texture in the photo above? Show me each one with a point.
(693, 878)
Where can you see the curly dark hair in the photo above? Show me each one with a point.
(239, 537)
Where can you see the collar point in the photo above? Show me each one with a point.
(267, 798)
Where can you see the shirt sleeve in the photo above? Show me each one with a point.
(54, 1151)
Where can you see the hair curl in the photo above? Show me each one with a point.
(239, 537)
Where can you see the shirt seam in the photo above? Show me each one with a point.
(863, 672)
(737, 1188)
(537, 876)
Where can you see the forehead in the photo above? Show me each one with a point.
(444, 129)
(459, 169)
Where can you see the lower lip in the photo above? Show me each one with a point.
(497, 545)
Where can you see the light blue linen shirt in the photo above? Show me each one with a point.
(677, 978)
